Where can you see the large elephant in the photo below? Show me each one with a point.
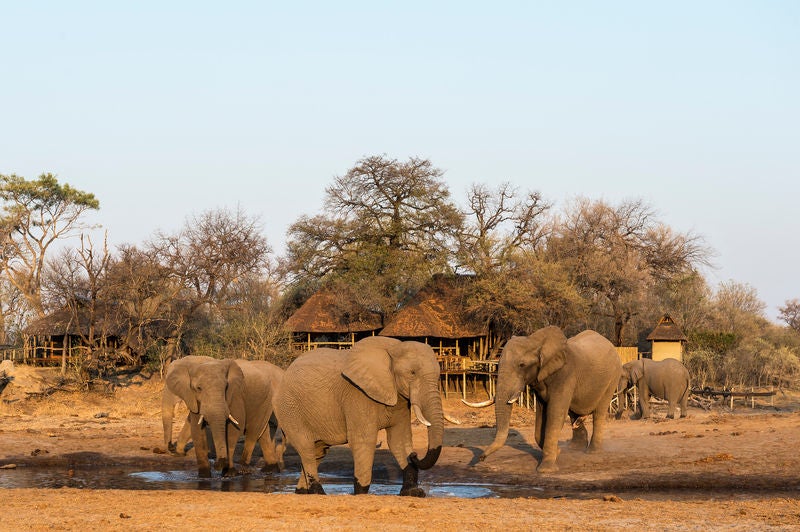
(667, 379)
(213, 391)
(574, 377)
(331, 397)
(252, 396)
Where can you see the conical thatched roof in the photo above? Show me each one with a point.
(666, 330)
(437, 311)
(324, 312)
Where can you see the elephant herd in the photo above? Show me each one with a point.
(331, 397)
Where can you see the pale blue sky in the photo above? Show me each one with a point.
(167, 109)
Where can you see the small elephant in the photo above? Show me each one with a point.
(332, 397)
(575, 377)
(248, 391)
(667, 379)
(213, 391)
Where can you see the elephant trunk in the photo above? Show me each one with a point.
(217, 420)
(502, 413)
(508, 389)
(431, 407)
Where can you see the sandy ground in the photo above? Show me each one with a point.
(714, 470)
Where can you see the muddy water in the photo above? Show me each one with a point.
(334, 484)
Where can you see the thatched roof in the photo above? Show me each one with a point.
(65, 322)
(666, 330)
(437, 311)
(325, 312)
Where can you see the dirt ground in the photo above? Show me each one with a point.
(717, 469)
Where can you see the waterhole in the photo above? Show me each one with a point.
(333, 483)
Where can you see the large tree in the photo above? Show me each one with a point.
(35, 214)
(516, 289)
(386, 227)
(617, 254)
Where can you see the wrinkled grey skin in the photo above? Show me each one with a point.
(575, 377)
(331, 397)
(213, 391)
(260, 380)
(667, 379)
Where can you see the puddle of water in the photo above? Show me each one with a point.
(285, 483)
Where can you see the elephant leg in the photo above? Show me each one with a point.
(399, 440)
(247, 450)
(551, 429)
(671, 409)
(228, 468)
(200, 446)
(684, 403)
(311, 454)
(599, 419)
(644, 401)
(363, 460)
(184, 436)
(273, 457)
(541, 420)
(580, 436)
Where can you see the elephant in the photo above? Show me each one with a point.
(332, 397)
(575, 377)
(247, 389)
(667, 379)
(213, 391)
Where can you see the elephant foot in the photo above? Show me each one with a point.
(578, 444)
(593, 449)
(683, 415)
(171, 447)
(271, 468)
(547, 467)
(230, 472)
(358, 489)
(670, 416)
(416, 491)
(315, 488)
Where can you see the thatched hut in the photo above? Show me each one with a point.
(667, 340)
(69, 333)
(435, 315)
(325, 320)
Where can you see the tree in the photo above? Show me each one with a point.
(206, 261)
(386, 228)
(36, 213)
(75, 281)
(499, 225)
(617, 255)
(738, 310)
(790, 314)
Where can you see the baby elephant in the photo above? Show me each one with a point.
(667, 379)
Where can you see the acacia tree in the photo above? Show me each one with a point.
(386, 227)
(35, 214)
(619, 254)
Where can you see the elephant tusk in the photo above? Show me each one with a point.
(233, 420)
(514, 399)
(451, 419)
(418, 413)
(200, 420)
(483, 404)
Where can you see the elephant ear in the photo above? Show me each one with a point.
(636, 372)
(234, 393)
(370, 370)
(553, 353)
(179, 382)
